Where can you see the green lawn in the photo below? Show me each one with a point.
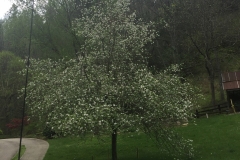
(23, 149)
(217, 138)
(78, 149)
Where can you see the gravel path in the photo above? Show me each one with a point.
(35, 148)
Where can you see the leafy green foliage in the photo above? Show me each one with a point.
(9, 65)
(16, 32)
(48, 132)
(1, 35)
(10, 83)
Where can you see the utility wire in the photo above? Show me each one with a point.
(26, 81)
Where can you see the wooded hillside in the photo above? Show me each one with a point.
(203, 36)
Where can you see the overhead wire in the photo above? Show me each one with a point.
(26, 79)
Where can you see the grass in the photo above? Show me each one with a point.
(77, 149)
(23, 149)
(213, 138)
(216, 137)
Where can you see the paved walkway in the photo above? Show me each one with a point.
(35, 148)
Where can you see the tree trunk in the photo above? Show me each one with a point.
(114, 144)
(221, 89)
(212, 90)
(220, 79)
(211, 74)
(211, 80)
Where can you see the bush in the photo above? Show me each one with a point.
(1, 132)
(48, 132)
(17, 122)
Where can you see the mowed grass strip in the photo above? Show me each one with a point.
(23, 149)
(217, 138)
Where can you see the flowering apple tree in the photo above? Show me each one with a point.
(108, 87)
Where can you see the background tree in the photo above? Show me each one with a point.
(183, 26)
(10, 83)
(1, 36)
(206, 31)
(55, 34)
(16, 31)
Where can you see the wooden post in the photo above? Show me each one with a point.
(233, 106)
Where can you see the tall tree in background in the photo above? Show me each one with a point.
(16, 31)
(59, 16)
(1, 36)
(53, 36)
(198, 33)
(10, 83)
(207, 30)
(167, 48)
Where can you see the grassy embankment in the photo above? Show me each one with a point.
(217, 137)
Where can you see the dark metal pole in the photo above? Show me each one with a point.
(26, 82)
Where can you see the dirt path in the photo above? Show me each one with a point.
(35, 148)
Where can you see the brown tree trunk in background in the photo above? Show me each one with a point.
(210, 72)
(220, 79)
(222, 97)
(114, 144)
(212, 90)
